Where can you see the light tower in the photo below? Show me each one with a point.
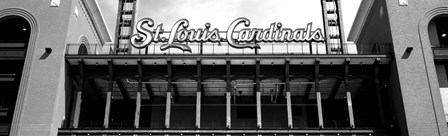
(125, 24)
(334, 27)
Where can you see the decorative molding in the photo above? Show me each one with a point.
(83, 40)
(21, 96)
(89, 18)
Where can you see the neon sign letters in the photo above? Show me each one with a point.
(246, 38)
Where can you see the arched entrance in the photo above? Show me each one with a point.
(14, 38)
(438, 37)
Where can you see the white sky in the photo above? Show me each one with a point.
(220, 13)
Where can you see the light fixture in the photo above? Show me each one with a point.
(443, 34)
(24, 29)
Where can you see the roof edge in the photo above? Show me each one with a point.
(98, 20)
(360, 20)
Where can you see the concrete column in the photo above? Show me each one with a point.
(198, 93)
(109, 95)
(228, 95)
(198, 109)
(288, 95)
(137, 110)
(168, 109)
(319, 110)
(350, 109)
(168, 95)
(139, 95)
(77, 109)
(259, 109)
(228, 109)
(289, 109)
(78, 101)
(348, 93)
(107, 109)
(258, 93)
(318, 95)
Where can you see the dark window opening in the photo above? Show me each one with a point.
(442, 31)
(14, 37)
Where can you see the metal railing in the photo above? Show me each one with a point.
(225, 49)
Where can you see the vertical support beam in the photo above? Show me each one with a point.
(318, 95)
(168, 109)
(228, 85)
(288, 94)
(109, 95)
(289, 109)
(169, 86)
(378, 92)
(198, 94)
(168, 96)
(228, 109)
(137, 109)
(348, 93)
(319, 109)
(77, 108)
(198, 109)
(258, 93)
(107, 110)
(350, 109)
(228, 96)
(258, 109)
(78, 96)
(139, 91)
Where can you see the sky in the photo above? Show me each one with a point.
(220, 13)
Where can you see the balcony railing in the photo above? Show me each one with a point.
(226, 49)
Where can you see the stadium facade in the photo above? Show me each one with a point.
(61, 73)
